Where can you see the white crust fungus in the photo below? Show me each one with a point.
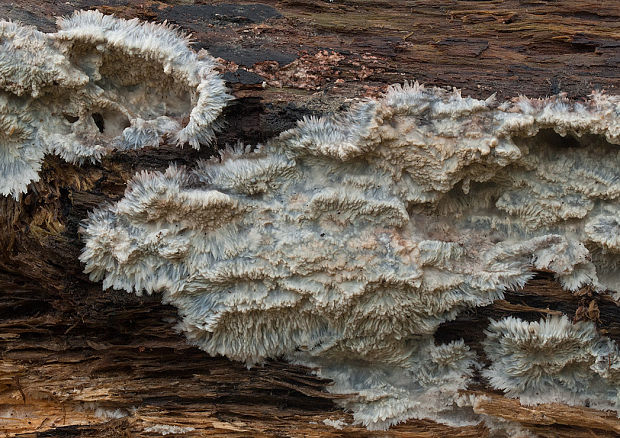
(99, 83)
(343, 243)
(553, 361)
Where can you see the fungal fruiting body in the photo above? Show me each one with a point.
(99, 83)
(343, 243)
(553, 360)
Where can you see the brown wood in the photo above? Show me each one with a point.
(580, 421)
(79, 361)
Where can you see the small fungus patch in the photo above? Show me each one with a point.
(99, 83)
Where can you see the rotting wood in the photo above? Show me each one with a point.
(82, 362)
(548, 414)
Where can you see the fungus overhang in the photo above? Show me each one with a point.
(99, 83)
(343, 243)
(553, 360)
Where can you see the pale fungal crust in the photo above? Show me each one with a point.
(344, 243)
(553, 361)
(99, 83)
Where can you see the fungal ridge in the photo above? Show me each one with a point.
(99, 83)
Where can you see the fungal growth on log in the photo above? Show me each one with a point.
(345, 242)
(99, 83)
(553, 360)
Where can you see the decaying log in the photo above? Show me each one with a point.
(77, 361)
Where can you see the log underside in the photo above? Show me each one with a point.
(79, 361)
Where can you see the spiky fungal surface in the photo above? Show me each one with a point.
(343, 243)
(553, 360)
(99, 83)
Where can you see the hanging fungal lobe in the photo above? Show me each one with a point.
(553, 360)
(99, 83)
(345, 242)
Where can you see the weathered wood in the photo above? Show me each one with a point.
(537, 417)
(79, 361)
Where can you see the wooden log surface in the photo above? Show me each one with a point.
(79, 361)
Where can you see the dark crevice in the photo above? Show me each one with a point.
(70, 118)
(98, 119)
(552, 138)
